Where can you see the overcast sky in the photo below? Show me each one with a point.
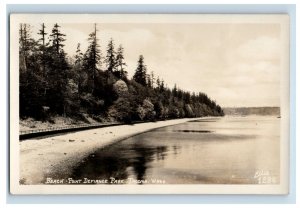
(235, 64)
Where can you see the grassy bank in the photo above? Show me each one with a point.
(58, 121)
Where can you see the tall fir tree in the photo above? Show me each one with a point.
(43, 34)
(148, 81)
(92, 60)
(120, 63)
(162, 85)
(57, 38)
(110, 59)
(58, 71)
(157, 83)
(174, 91)
(24, 45)
(43, 51)
(78, 65)
(78, 55)
(31, 80)
(152, 79)
(140, 72)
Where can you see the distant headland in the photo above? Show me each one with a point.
(252, 111)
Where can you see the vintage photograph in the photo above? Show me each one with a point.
(149, 104)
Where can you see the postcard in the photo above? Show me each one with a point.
(149, 104)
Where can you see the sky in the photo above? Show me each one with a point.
(235, 64)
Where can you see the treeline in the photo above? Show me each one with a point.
(52, 83)
(264, 111)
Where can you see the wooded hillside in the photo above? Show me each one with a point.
(96, 83)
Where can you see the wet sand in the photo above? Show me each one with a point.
(57, 155)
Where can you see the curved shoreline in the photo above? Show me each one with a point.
(55, 156)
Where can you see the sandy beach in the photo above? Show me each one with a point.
(55, 156)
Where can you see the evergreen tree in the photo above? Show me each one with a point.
(24, 78)
(148, 81)
(162, 86)
(31, 79)
(140, 72)
(92, 60)
(78, 55)
(158, 83)
(57, 38)
(79, 74)
(174, 91)
(120, 64)
(58, 71)
(43, 34)
(25, 44)
(152, 79)
(110, 59)
(43, 54)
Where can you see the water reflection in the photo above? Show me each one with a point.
(176, 149)
(102, 164)
(194, 131)
(219, 151)
(204, 121)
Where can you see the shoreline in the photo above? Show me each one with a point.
(55, 156)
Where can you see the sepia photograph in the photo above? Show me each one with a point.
(149, 104)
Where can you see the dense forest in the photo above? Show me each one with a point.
(54, 84)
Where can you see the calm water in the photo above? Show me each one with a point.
(228, 150)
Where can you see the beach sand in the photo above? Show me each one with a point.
(55, 156)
